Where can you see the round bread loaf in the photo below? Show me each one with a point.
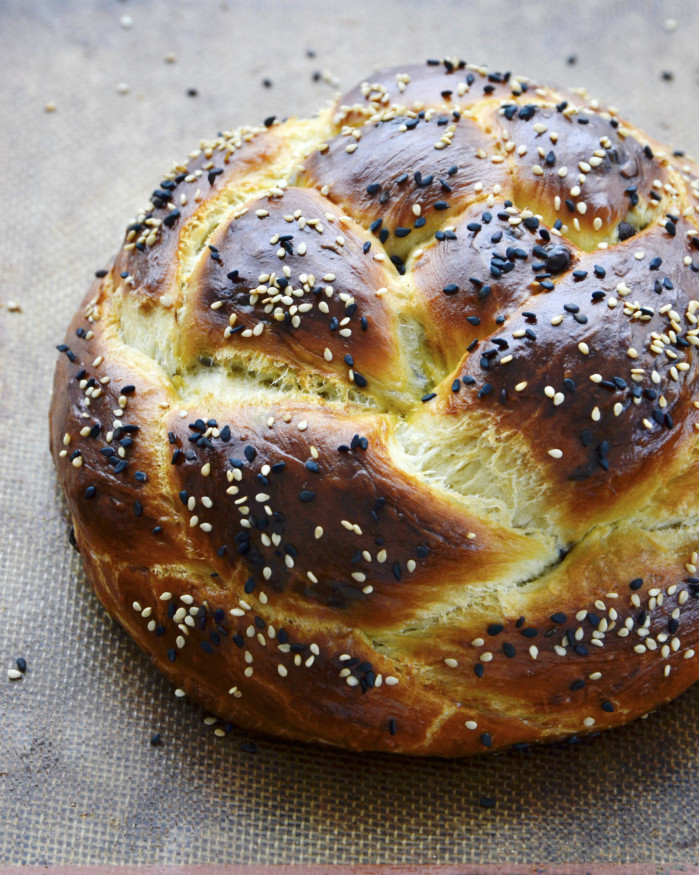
(380, 430)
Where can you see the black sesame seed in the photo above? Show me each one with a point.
(626, 231)
(398, 264)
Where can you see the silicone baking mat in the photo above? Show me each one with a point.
(97, 99)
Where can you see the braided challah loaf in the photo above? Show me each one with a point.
(380, 429)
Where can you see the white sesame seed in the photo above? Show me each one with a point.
(556, 454)
(390, 680)
(451, 663)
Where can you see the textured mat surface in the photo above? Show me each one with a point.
(79, 779)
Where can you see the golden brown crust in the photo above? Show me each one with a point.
(327, 513)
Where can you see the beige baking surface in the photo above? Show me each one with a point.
(79, 780)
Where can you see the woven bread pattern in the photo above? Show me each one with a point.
(379, 431)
